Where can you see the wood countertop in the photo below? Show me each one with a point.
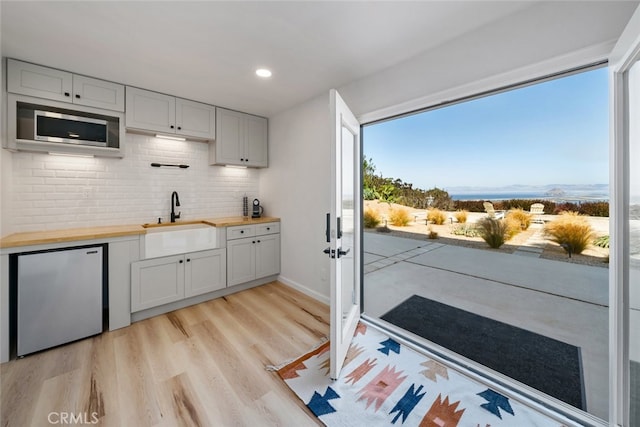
(238, 220)
(30, 238)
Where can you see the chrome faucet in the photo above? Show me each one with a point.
(175, 201)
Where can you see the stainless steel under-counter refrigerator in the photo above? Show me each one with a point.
(59, 297)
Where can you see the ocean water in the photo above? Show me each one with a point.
(541, 196)
(497, 196)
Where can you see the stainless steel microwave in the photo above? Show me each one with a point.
(70, 129)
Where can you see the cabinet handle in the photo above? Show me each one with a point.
(253, 242)
(258, 241)
(188, 259)
(242, 160)
(67, 94)
(179, 128)
(268, 228)
(241, 231)
(171, 126)
(77, 96)
(180, 261)
(246, 160)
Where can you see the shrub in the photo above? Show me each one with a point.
(492, 231)
(521, 217)
(399, 217)
(565, 207)
(371, 218)
(436, 216)
(432, 234)
(595, 209)
(461, 216)
(465, 230)
(368, 193)
(469, 205)
(571, 231)
(602, 242)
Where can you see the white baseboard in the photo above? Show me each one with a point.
(310, 292)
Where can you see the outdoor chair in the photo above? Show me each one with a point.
(537, 210)
(491, 212)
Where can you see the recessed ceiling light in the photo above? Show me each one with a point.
(263, 72)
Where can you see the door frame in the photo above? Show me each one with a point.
(623, 56)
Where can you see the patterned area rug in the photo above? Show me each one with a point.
(385, 383)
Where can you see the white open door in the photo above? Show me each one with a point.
(624, 268)
(343, 230)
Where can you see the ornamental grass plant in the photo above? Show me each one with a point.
(571, 231)
(371, 218)
(399, 217)
(493, 231)
(461, 216)
(436, 216)
(513, 227)
(522, 217)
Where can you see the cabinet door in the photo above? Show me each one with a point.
(241, 261)
(33, 80)
(148, 110)
(205, 272)
(98, 93)
(267, 255)
(195, 119)
(156, 282)
(256, 141)
(230, 130)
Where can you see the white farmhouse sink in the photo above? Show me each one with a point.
(178, 239)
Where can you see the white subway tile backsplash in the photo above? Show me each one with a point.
(54, 192)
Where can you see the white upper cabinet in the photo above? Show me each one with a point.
(98, 93)
(241, 139)
(28, 79)
(157, 112)
(256, 141)
(150, 111)
(195, 119)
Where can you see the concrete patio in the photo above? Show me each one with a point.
(567, 302)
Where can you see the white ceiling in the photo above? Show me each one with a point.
(208, 51)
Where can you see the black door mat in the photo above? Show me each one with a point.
(546, 364)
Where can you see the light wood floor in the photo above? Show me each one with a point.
(200, 366)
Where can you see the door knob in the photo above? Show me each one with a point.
(342, 253)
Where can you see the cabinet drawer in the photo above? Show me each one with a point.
(267, 228)
(241, 231)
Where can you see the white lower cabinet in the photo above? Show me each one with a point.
(160, 281)
(241, 261)
(255, 256)
(205, 272)
(267, 255)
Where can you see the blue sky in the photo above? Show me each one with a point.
(556, 132)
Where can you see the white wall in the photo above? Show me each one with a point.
(5, 190)
(511, 50)
(295, 187)
(54, 192)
